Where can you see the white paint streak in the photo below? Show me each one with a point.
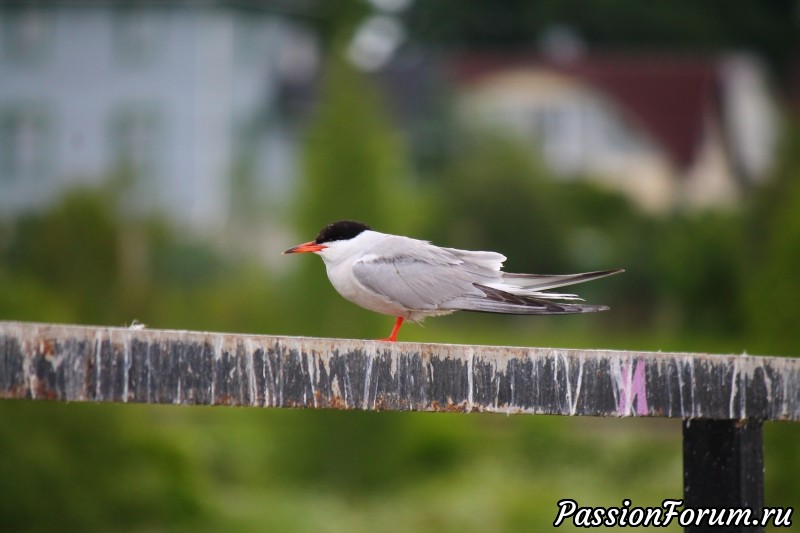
(785, 403)
(563, 358)
(367, 381)
(496, 381)
(679, 372)
(574, 405)
(348, 388)
(98, 345)
(277, 377)
(734, 389)
(312, 377)
(149, 370)
(690, 363)
(219, 345)
(250, 368)
(469, 354)
(768, 384)
(213, 378)
(615, 368)
(126, 366)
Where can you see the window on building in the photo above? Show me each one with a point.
(137, 35)
(254, 40)
(135, 134)
(610, 132)
(560, 133)
(25, 143)
(27, 34)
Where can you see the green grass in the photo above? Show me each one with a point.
(145, 468)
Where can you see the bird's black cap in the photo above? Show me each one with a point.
(340, 231)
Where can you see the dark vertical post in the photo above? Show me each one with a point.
(723, 466)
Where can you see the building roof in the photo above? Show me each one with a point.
(668, 96)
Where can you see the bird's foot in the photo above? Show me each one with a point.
(393, 336)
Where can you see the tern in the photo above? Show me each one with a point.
(412, 279)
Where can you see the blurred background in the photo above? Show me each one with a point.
(156, 157)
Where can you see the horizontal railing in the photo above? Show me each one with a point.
(76, 363)
(723, 399)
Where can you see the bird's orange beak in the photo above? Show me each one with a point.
(305, 247)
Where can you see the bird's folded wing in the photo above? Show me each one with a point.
(420, 276)
(420, 284)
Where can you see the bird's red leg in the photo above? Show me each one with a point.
(393, 336)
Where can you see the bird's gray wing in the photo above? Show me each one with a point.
(420, 276)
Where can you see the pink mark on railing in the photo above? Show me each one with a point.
(633, 386)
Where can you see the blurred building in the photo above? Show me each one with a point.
(178, 103)
(668, 131)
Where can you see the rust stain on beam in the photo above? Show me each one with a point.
(77, 363)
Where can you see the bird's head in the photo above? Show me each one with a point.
(330, 235)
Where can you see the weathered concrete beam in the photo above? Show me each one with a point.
(76, 363)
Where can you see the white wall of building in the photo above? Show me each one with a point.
(168, 91)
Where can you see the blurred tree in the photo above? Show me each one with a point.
(771, 285)
(80, 263)
(769, 28)
(773, 256)
(697, 268)
(92, 468)
(353, 168)
(353, 161)
(495, 196)
(365, 453)
(72, 251)
(336, 21)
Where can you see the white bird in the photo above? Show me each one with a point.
(412, 279)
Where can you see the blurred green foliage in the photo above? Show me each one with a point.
(353, 167)
(713, 281)
(495, 196)
(352, 158)
(67, 469)
(773, 256)
(768, 28)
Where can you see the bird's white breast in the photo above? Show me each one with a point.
(339, 259)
